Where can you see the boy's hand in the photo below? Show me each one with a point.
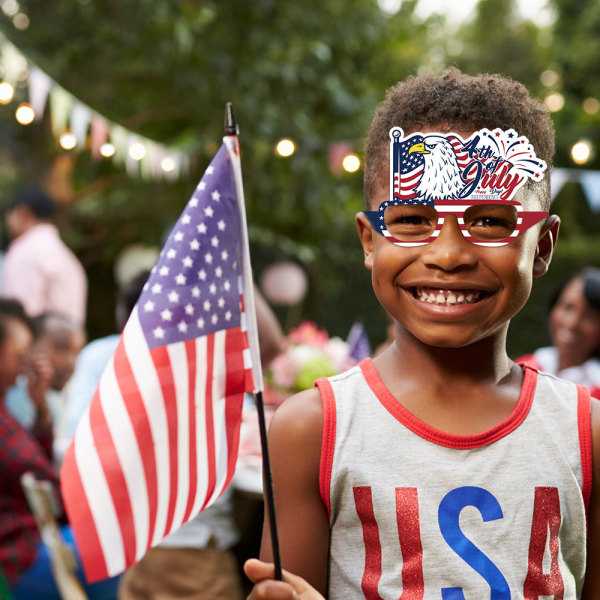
(266, 588)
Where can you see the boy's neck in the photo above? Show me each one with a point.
(483, 361)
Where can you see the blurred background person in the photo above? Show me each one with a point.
(39, 269)
(95, 355)
(574, 327)
(58, 342)
(24, 558)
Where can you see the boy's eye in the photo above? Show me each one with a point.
(410, 222)
(491, 222)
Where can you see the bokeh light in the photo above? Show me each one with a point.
(591, 106)
(24, 113)
(285, 147)
(107, 150)
(67, 141)
(581, 152)
(7, 92)
(137, 151)
(167, 164)
(351, 163)
(554, 102)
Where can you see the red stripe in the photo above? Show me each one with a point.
(328, 441)
(190, 348)
(164, 372)
(235, 341)
(208, 408)
(111, 465)
(139, 418)
(584, 424)
(81, 519)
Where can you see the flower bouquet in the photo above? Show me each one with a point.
(311, 353)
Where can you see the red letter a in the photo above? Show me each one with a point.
(546, 522)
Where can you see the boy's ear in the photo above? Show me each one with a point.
(365, 233)
(545, 246)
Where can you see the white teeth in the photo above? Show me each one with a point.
(447, 297)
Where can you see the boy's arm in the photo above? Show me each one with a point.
(591, 589)
(295, 448)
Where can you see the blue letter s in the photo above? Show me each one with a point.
(448, 517)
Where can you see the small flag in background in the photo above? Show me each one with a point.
(358, 342)
(160, 439)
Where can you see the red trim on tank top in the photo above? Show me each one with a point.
(461, 442)
(328, 441)
(584, 425)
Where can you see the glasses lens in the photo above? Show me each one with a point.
(409, 223)
(491, 222)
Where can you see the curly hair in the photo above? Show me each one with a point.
(454, 100)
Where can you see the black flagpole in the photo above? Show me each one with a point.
(232, 129)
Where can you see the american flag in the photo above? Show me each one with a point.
(160, 439)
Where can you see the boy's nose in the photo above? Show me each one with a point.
(450, 250)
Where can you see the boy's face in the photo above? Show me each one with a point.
(452, 292)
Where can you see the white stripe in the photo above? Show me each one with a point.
(178, 356)
(199, 403)
(148, 384)
(247, 358)
(98, 497)
(130, 461)
(221, 451)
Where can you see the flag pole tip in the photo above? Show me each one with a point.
(231, 126)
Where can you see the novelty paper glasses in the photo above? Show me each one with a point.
(482, 223)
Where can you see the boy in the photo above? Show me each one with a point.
(441, 468)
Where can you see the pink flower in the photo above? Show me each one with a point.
(308, 333)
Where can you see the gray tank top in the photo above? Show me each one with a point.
(417, 513)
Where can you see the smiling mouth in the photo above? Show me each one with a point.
(447, 297)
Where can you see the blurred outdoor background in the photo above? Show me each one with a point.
(151, 79)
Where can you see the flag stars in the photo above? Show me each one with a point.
(219, 272)
(166, 315)
(200, 323)
(208, 258)
(221, 302)
(226, 286)
(159, 333)
(202, 275)
(178, 236)
(214, 241)
(186, 219)
(209, 212)
(149, 306)
(172, 253)
(201, 228)
(180, 279)
(156, 288)
(194, 202)
(214, 319)
(173, 296)
(216, 196)
(206, 305)
(201, 186)
(224, 255)
(189, 309)
(187, 262)
(194, 244)
(210, 170)
(163, 271)
(212, 288)
(221, 225)
(182, 326)
(196, 292)
(228, 315)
